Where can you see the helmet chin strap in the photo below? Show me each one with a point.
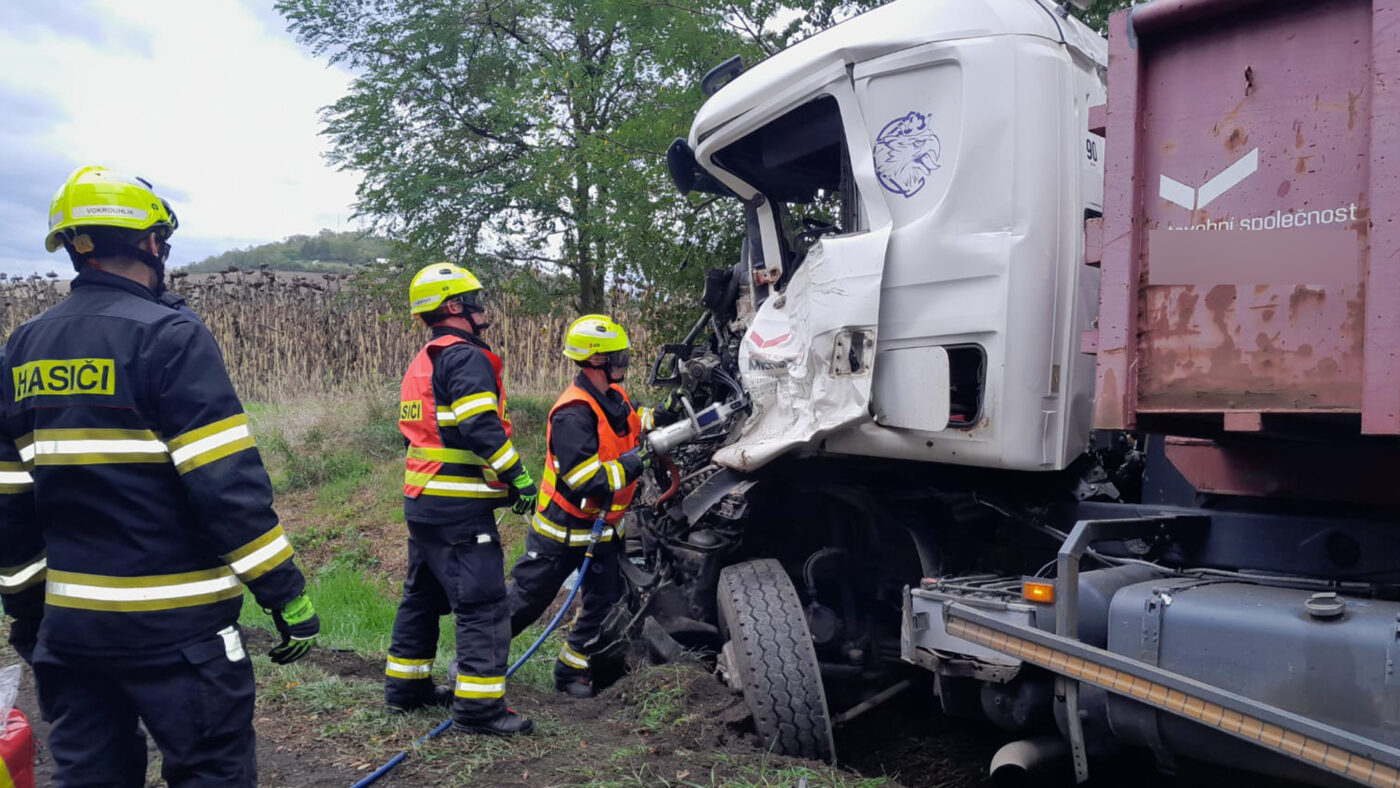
(153, 262)
(477, 325)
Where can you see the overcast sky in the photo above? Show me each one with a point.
(212, 101)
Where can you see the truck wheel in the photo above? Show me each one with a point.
(761, 616)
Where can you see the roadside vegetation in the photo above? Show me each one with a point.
(300, 337)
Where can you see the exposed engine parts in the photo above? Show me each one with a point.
(1138, 505)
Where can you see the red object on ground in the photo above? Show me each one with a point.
(16, 751)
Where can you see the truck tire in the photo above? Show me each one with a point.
(762, 616)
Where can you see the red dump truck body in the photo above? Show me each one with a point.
(1250, 255)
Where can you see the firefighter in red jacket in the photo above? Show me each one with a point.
(461, 466)
(592, 464)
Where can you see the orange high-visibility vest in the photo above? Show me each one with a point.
(610, 447)
(419, 418)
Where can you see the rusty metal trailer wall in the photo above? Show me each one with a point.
(1251, 259)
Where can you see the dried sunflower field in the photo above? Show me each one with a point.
(285, 335)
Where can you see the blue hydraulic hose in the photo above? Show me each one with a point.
(389, 765)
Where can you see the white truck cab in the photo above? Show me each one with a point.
(934, 312)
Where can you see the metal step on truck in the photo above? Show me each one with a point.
(1062, 369)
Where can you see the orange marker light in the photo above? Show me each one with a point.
(1038, 591)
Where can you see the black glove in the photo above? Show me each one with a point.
(524, 495)
(298, 625)
(642, 453)
(24, 635)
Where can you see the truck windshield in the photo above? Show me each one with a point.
(801, 164)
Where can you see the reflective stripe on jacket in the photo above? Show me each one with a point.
(452, 453)
(134, 507)
(560, 498)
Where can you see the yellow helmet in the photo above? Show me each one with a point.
(99, 197)
(594, 334)
(438, 282)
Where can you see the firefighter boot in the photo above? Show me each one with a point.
(571, 674)
(439, 698)
(576, 687)
(507, 724)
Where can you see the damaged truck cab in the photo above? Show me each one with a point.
(915, 183)
(934, 436)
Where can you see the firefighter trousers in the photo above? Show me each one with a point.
(536, 579)
(456, 568)
(196, 702)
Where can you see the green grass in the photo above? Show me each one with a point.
(357, 613)
(350, 465)
(539, 671)
(315, 459)
(529, 416)
(350, 721)
(333, 442)
(339, 449)
(658, 694)
(630, 751)
(766, 775)
(310, 688)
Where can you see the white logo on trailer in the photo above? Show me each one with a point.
(1192, 199)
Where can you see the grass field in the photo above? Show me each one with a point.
(337, 470)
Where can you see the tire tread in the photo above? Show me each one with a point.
(778, 665)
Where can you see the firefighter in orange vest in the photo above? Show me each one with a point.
(461, 466)
(592, 463)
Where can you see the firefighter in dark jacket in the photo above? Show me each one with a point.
(592, 463)
(461, 466)
(134, 509)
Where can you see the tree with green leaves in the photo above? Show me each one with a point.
(1096, 15)
(526, 138)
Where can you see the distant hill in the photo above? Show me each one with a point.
(325, 252)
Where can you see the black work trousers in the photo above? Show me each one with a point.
(456, 568)
(536, 579)
(196, 702)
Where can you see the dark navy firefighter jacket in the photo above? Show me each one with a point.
(134, 507)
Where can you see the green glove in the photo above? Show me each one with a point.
(298, 625)
(525, 495)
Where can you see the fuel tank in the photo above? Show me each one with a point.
(1330, 657)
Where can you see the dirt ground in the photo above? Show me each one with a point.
(320, 724)
(672, 725)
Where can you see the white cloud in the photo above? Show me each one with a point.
(208, 100)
